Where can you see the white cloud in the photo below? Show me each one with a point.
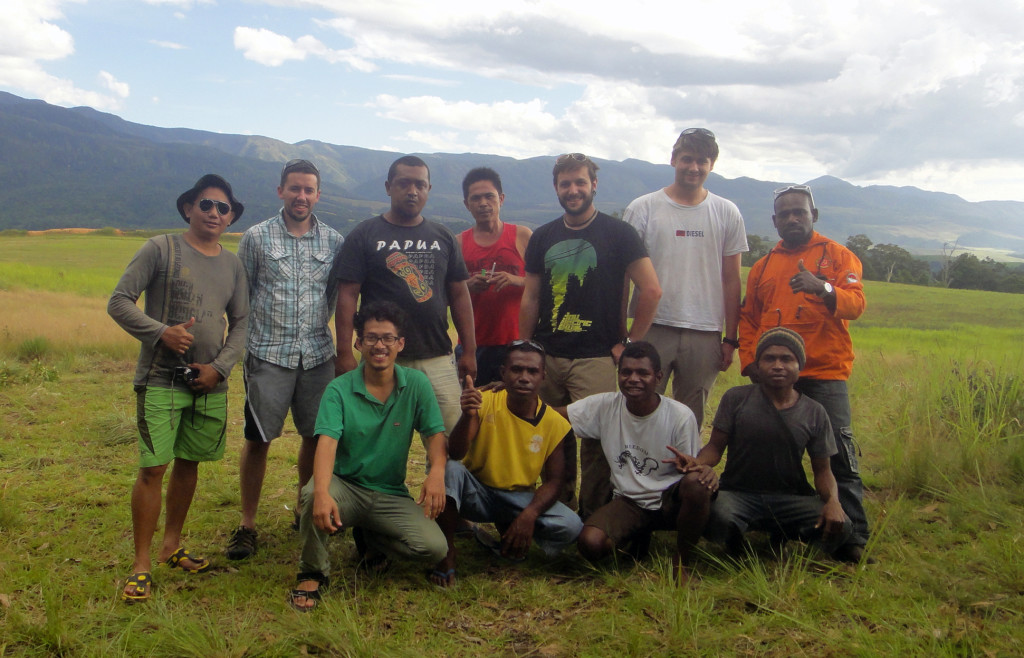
(170, 45)
(183, 4)
(434, 82)
(29, 34)
(794, 88)
(27, 31)
(120, 89)
(271, 49)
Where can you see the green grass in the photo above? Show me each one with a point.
(87, 265)
(937, 410)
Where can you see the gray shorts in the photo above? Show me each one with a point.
(271, 390)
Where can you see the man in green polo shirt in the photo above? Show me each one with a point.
(365, 425)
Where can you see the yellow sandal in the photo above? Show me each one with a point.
(142, 582)
(177, 556)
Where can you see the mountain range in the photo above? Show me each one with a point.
(78, 167)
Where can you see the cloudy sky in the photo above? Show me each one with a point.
(929, 94)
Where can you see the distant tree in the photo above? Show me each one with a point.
(759, 247)
(1014, 281)
(860, 245)
(967, 271)
(948, 250)
(894, 263)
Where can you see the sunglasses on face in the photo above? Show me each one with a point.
(222, 207)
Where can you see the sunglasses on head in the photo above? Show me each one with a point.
(805, 189)
(522, 342)
(222, 207)
(300, 162)
(578, 157)
(698, 131)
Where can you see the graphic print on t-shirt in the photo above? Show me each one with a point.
(641, 464)
(400, 264)
(568, 264)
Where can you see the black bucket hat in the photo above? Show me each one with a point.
(209, 180)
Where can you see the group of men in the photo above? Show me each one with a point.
(574, 388)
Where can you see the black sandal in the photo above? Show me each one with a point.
(297, 598)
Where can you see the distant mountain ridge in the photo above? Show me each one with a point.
(79, 167)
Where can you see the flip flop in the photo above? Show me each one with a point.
(175, 562)
(436, 577)
(142, 581)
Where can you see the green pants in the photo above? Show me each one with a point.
(392, 524)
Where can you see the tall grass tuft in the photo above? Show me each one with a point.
(33, 349)
(948, 424)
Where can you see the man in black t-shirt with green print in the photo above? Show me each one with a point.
(576, 282)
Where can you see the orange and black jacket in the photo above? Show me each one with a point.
(770, 302)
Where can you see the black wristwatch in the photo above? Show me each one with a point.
(732, 341)
(829, 289)
(626, 341)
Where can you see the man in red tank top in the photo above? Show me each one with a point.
(493, 251)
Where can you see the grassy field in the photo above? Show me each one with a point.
(938, 405)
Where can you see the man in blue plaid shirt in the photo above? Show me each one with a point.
(290, 351)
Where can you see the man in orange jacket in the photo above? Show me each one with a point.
(812, 285)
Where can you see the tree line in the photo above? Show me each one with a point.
(892, 263)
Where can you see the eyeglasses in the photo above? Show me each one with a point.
(299, 162)
(387, 339)
(578, 157)
(522, 342)
(222, 208)
(803, 189)
(698, 131)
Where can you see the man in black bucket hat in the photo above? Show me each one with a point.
(191, 283)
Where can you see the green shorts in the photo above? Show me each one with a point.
(174, 423)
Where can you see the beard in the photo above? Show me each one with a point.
(585, 203)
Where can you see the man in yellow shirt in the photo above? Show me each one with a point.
(506, 441)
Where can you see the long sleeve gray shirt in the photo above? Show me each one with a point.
(182, 283)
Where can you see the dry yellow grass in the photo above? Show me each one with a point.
(68, 322)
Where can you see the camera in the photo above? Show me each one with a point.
(186, 374)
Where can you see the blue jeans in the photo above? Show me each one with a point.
(555, 529)
(832, 394)
(792, 516)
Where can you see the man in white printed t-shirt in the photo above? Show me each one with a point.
(641, 434)
(695, 240)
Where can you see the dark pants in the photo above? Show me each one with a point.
(489, 359)
(832, 394)
(787, 515)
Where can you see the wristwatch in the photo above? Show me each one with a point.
(626, 341)
(829, 289)
(732, 341)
